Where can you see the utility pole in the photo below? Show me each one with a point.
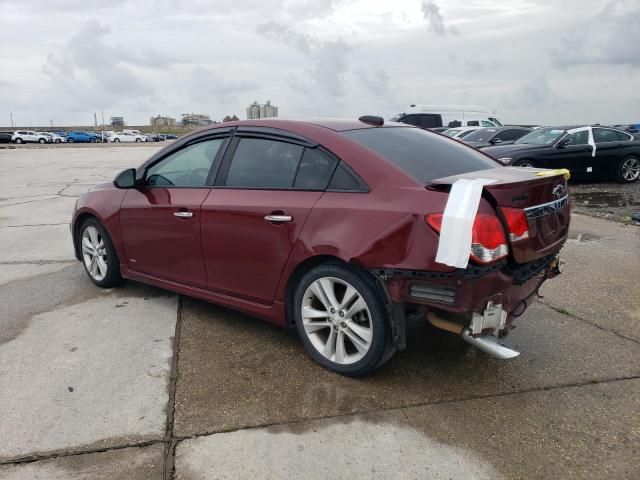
(102, 115)
(11, 117)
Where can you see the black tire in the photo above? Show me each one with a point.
(138, 140)
(70, 140)
(525, 162)
(628, 170)
(93, 140)
(381, 348)
(18, 140)
(58, 140)
(116, 140)
(42, 140)
(112, 277)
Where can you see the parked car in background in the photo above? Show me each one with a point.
(587, 151)
(82, 137)
(5, 137)
(28, 136)
(485, 137)
(460, 132)
(327, 227)
(438, 130)
(169, 136)
(434, 116)
(55, 138)
(127, 137)
(154, 137)
(631, 128)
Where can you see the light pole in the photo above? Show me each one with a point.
(11, 117)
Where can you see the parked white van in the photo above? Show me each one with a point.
(434, 116)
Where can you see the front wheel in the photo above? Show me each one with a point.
(18, 140)
(99, 256)
(341, 320)
(42, 140)
(629, 170)
(138, 140)
(70, 140)
(526, 163)
(116, 140)
(58, 140)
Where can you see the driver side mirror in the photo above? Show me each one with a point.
(564, 142)
(126, 178)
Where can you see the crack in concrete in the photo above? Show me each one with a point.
(589, 322)
(34, 262)
(35, 225)
(175, 440)
(168, 467)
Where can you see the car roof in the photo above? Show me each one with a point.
(335, 124)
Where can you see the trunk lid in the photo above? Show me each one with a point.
(542, 195)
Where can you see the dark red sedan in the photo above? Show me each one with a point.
(332, 226)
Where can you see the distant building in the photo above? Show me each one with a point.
(195, 120)
(230, 119)
(159, 121)
(117, 121)
(266, 110)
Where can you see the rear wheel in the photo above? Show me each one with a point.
(70, 140)
(138, 140)
(341, 320)
(629, 170)
(99, 257)
(525, 162)
(42, 140)
(116, 140)
(58, 140)
(18, 140)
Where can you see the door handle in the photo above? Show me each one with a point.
(183, 214)
(278, 218)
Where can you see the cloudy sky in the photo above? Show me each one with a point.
(531, 61)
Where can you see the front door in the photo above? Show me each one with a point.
(577, 156)
(254, 216)
(160, 220)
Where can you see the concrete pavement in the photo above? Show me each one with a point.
(135, 383)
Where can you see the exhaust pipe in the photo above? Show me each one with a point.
(489, 345)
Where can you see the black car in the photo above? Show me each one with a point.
(154, 137)
(486, 137)
(5, 137)
(587, 151)
(169, 136)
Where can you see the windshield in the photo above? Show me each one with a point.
(483, 135)
(541, 136)
(423, 155)
(452, 132)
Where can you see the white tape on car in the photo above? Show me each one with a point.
(457, 222)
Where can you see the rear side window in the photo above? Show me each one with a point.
(344, 180)
(422, 154)
(315, 169)
(262, 163)
(603, 135)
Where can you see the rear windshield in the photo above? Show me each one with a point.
(422, 154)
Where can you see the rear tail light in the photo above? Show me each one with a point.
(488, 241)
(517, 223)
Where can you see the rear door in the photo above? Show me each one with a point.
(160, 220)
(611, 147)
(264, 192)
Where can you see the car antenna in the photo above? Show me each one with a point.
(372, 120)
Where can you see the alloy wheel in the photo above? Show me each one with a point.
(337, 321)
(631, 169)
(94, 253)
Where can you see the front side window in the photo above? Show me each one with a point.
(262, 163)
(486, 124)
(423, 155)
(579, 138)
(511, 134)
(188, 167)
(473, 123)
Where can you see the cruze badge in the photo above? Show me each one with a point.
(559, 191)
